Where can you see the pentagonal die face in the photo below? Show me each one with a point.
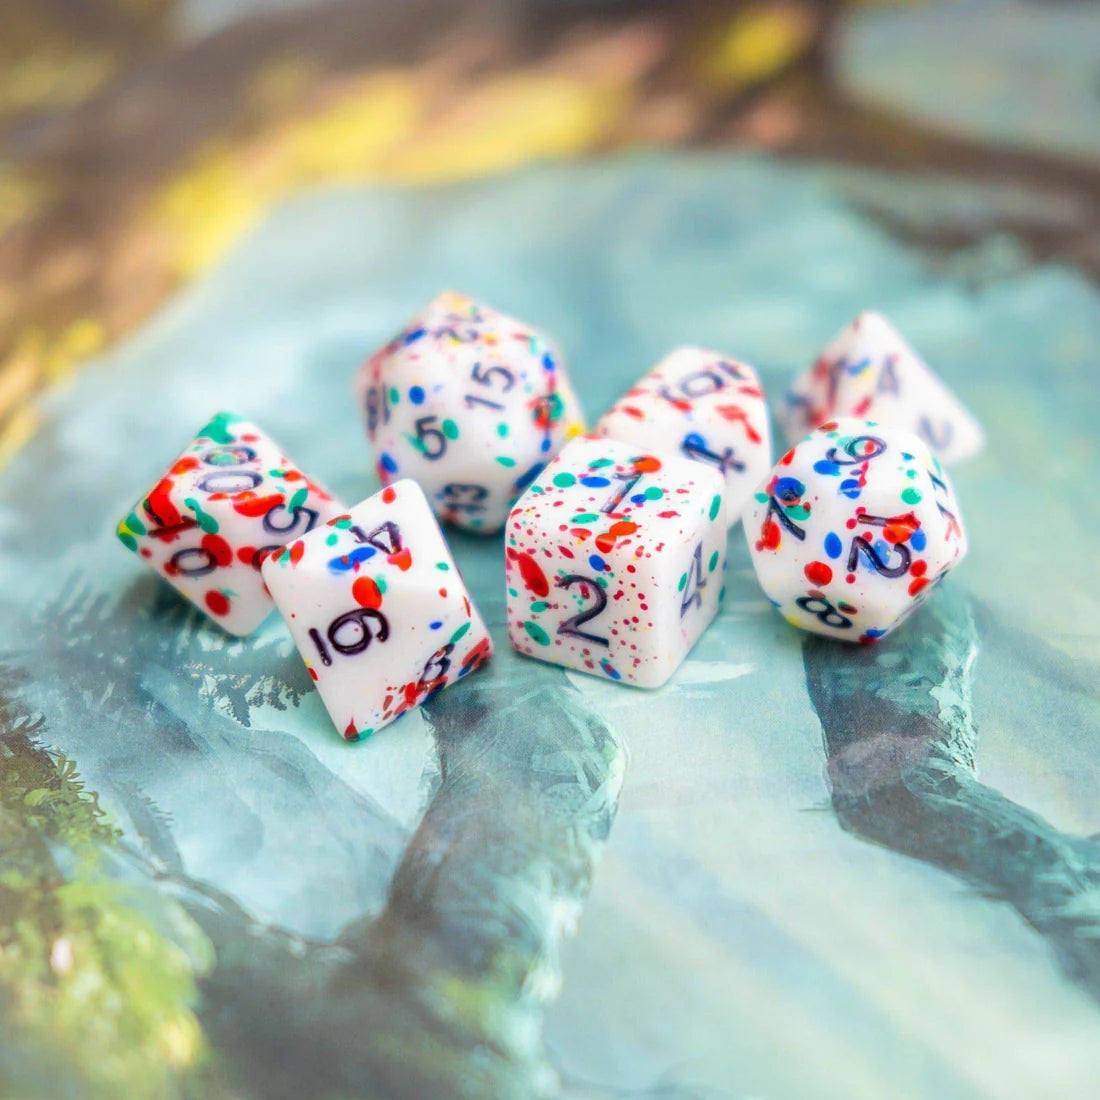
(853, 528)
(378, 610)
(704, 406)
(869, 372)
(471, 404)
(229, 500)
(615, 561)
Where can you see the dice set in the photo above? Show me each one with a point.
(615, 543)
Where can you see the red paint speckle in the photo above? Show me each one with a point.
(217, 603)
(218, 549)
(389, 495)
(366, 593)
(402, 559)
(533, 576)
(817, 572)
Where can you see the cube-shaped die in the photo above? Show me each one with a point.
(706, 406)
(615, 560)
(229, 500)
(869, 372)
(377, 609)
(471, 404)
(853, 528)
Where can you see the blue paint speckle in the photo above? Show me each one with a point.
(346, 563)
(525, 479)
(436, 625)
(833, 546)
(789, 490)
(594, 481)
(830, 469)
(388, 463)
(416, 395)
(597, 563)
(918, 539)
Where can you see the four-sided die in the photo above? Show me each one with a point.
(470, 403)
(615, 559)
(706, 406)
(377, 609)
(853, 528)
(229, 500)
(868, 371)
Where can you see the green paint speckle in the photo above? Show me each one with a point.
(205, 520)
(380, 581)
(713, 563)
(682, 583)
(504, 460)
(502, 430)
(563, 481)
(539, 605)
(585, 517)
(537, 633)
(460, 632)
(442, 565)
(715, 504)
(600, 463)
(654, 492)
(449, 429)
(911, 495)
(218, 428)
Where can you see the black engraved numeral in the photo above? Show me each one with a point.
(628, 482)
(861, 544)
(194, 561)
(459, 497)
(824, 611)
(350, 633)
(378, 408)
(432, 442)
(439, 664)
(292, 520)
(938, 439)
(695, 446)
(857, 458)
(693, 588)
(230, 481)
(229, 456)
(775, 508)
(572, 625)
(385, 537)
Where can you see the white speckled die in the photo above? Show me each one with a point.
(229, 500)
(853, 529)
(869, 372)
(615, 560)
(471, 404)
(377, 609)
(707, 407)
